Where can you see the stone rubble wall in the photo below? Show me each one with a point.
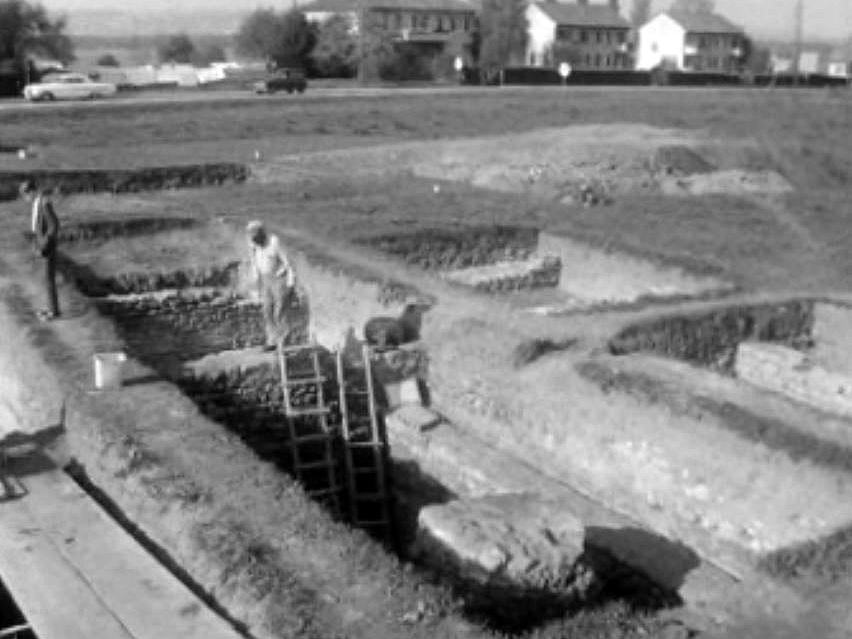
(783, 370)
(711, 338)
(185, 328)
(442, 249)
(124, 180)
(536, 272)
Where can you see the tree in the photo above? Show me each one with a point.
(335, 53)
(640, 13)
(26, 30)
(693, 6)
(210, 53)
(108, 60)
(178, 48)
(503, 29)
(284, 39)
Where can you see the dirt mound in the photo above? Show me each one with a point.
(556, 164)
(677, 159)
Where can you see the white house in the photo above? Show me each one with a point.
(589, 36)
(690, 42)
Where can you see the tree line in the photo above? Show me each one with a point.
(287, 39)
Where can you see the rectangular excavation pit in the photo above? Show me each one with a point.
(241, 390)
(554, 273)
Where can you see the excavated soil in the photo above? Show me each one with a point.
(570, 164)
(190, 334)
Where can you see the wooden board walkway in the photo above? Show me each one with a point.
(76, 574)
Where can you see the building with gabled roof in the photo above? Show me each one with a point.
(588, 36)
(690, 41)
(417, 21)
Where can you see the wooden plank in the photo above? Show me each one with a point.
(133, 588)
(55, 598)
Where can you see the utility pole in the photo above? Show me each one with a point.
(797, 55)
(362, 24)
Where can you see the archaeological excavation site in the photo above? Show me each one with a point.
(551, 428)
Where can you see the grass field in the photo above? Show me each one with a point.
(795, 240)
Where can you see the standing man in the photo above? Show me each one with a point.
(45, 227)
(275, 280)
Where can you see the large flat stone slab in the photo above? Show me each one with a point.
(523, 539)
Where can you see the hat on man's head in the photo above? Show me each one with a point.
(254, 226)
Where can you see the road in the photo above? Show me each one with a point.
(192, 96)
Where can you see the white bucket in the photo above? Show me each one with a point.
(109, 369)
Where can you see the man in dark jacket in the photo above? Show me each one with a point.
(45, 228)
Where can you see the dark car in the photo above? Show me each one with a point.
(288, 80)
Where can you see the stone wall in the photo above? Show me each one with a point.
(148, 282)
(124, 180)
(783, 370)
(178, 327)
(536, 272)
(710, 338)
(461, 247)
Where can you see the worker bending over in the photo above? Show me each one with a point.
(275, 280)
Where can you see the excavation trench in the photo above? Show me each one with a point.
(200, 334)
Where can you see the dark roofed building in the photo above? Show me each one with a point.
(423, 21)
(588, 36)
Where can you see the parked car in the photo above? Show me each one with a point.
(68, 86)
(288, 80)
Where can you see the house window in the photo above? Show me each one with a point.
(599, 36)
(588, 60)
(532, 58)
(713, 62)
(467, 23)
(597, 60)
(702, 41)
(584, 35)
(622, 37)
(606, 61)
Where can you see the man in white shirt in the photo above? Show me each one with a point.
(275, 280)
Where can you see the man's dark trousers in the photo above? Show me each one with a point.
(50, 281)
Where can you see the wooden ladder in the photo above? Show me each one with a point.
(364, 450)
(312, 437)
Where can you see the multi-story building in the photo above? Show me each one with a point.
(588, 36)
(426, 22)
(683, 41)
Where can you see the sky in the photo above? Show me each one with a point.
(823, 19)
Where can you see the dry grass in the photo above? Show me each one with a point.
(805, 132)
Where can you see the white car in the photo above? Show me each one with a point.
(68, 86)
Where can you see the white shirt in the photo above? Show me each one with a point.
(36, 207)
(270, 260)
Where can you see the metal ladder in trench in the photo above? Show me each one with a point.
(312, 437)
(364, 449)
(365, 453)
